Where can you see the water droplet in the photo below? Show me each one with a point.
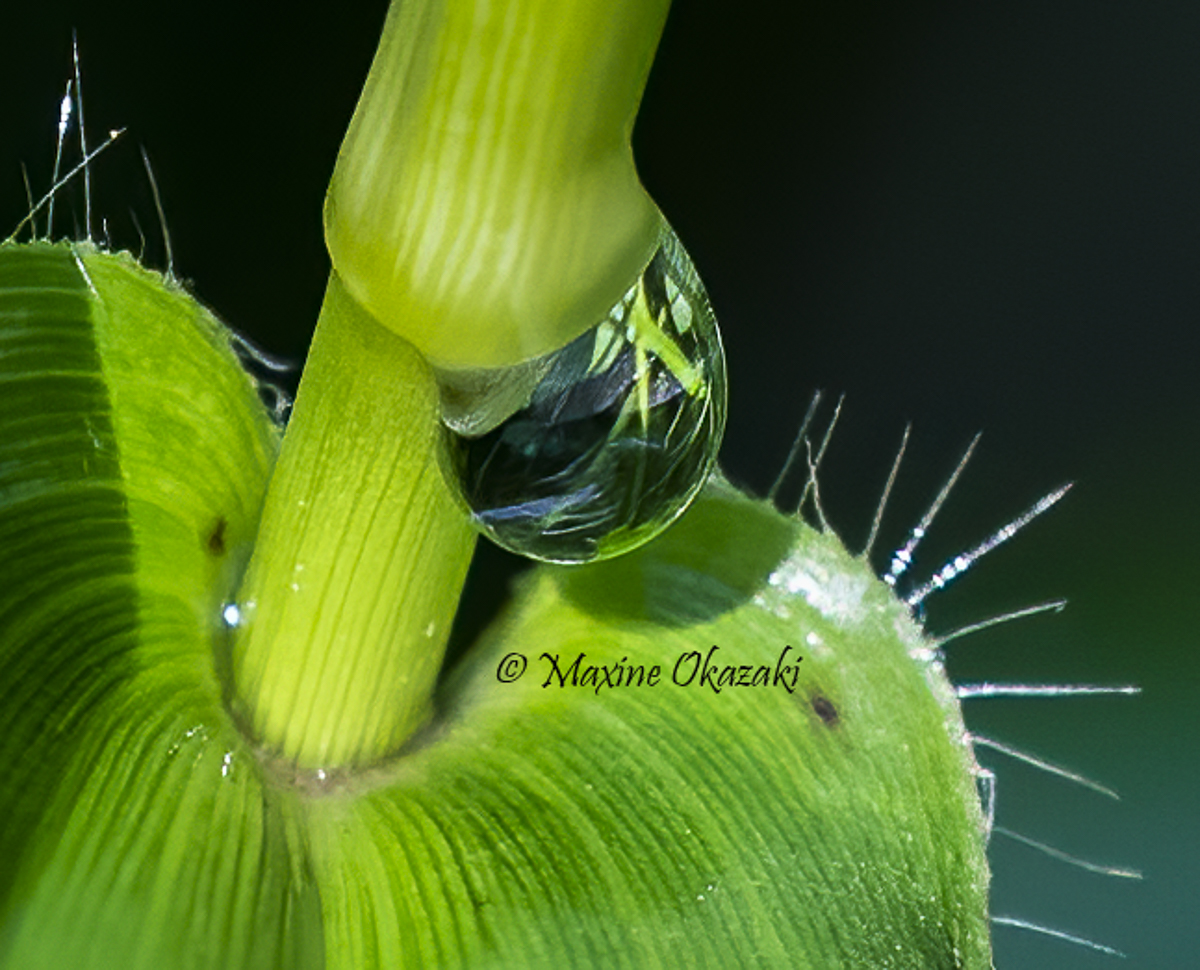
(593, 450)
(231, 614)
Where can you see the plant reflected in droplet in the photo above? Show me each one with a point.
(591, 451)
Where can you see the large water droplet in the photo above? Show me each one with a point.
(588, 452)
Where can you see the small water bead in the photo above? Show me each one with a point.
(591, 451)
(231, 614)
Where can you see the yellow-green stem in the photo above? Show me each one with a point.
(360, 559)
(485, 203)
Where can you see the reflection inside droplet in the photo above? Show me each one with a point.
(591, 451)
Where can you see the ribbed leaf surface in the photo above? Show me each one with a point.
(542, 822)
(134, 454)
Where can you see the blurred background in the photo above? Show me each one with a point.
(970, 217)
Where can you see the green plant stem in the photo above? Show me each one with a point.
(485, 207)
(361, 555)
(485, 204)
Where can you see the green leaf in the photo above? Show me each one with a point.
(836, 825)
(133, 455)
(824, 817)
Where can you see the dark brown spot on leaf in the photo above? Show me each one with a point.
(216, 537)
(825, 710)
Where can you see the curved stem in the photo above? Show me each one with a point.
(485, 207)
(485, 204)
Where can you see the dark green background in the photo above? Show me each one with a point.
(981, 216)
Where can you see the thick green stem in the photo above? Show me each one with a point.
(485, 204)
(486, 209)
(360, 559)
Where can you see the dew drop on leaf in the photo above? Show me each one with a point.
(590, 451)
